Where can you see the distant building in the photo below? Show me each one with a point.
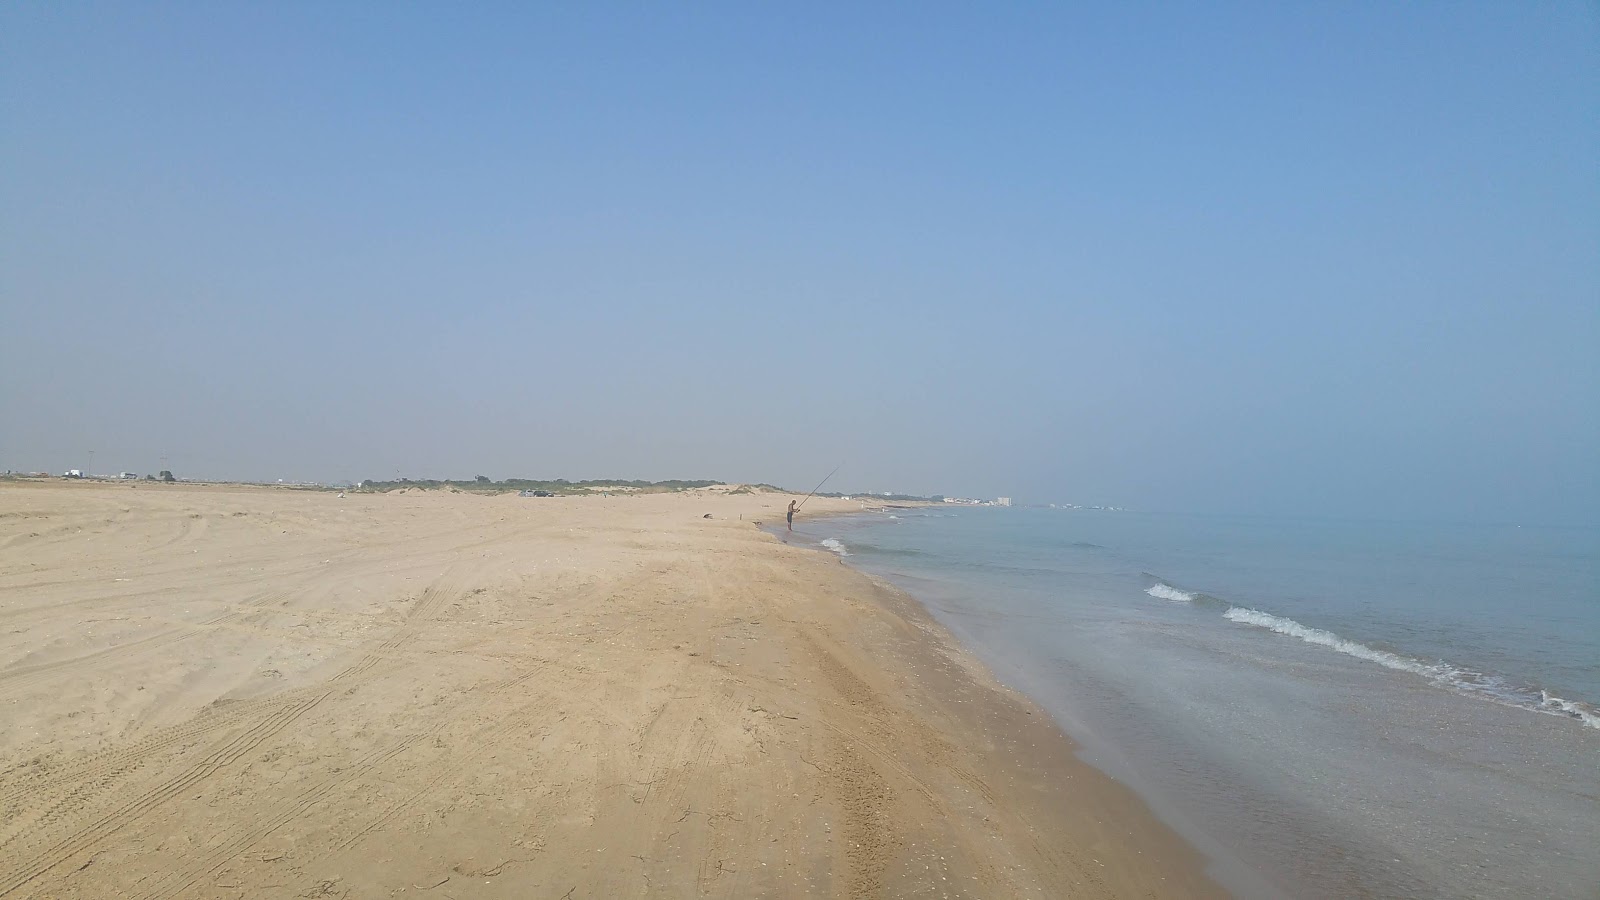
(1002, 501)
(128, 475)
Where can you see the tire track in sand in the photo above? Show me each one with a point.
(86, 837)
(862, 792)
(22, 678)
(330, 788)
(44, 853)
(108, 764)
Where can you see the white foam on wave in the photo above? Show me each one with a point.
(836, 546)
(1583, 712)
(1333, 642)
(1168, 592)
(1477, 684)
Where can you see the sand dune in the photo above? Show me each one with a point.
(247, 692)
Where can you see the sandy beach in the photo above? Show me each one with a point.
(227, 691)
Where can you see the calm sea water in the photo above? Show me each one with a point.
(1325, 708)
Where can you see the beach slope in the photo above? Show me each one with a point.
(220, 691)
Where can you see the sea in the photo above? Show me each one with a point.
(1324, 708)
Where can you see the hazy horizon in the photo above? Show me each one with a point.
(1243, 258)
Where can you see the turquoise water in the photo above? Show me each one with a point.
(1326, 708)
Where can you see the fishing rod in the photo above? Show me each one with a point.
(819, 485)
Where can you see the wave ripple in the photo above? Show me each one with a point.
(1168, 592)
(1463, 680)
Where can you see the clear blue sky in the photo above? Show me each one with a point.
(1304, 258)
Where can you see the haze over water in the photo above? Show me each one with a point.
(1326, 707)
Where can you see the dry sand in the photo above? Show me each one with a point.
(252, 692)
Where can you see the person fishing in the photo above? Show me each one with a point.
(795, 507)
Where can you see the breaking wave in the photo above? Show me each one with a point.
(1333, 642)
(1168, 592)
(836, 546)
(1583, 712)
(1490, 687)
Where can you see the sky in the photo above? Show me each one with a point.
(1310, 258)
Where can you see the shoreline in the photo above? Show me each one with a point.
(905, 602)
(246, 692)
(1220, 728)
(1233, 875)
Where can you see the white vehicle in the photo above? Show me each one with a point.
(73, 473)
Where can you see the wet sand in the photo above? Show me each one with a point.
(225, 691)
